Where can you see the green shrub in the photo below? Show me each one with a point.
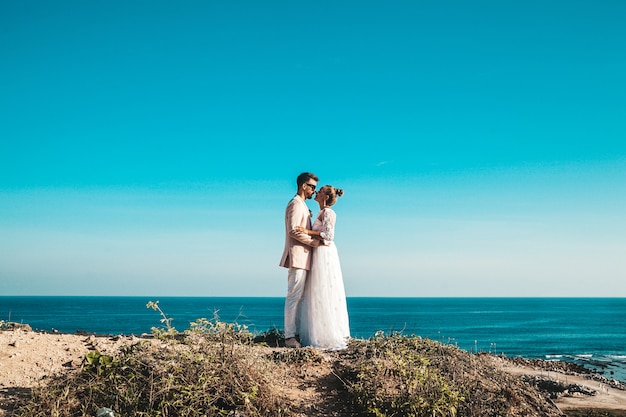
(390, 376)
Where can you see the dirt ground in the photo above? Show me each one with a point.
(27, 356)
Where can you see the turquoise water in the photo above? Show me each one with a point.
(590, 331)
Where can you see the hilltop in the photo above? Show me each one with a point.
(220, 368)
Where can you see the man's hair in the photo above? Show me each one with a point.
(304, 177)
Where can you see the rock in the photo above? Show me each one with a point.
(11, 325)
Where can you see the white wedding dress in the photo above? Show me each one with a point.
(324, 314)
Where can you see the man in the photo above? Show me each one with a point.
(297, 253)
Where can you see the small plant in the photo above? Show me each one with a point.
(219, 329)
(215, 330)
(99, 363)
(272, 337)
(169, 329)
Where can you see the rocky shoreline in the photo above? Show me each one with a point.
(568, 368)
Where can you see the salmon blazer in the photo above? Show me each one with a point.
(297, 253)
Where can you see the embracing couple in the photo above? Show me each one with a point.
(315, 307)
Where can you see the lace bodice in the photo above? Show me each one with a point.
(325, 224)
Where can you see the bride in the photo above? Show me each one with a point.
(324, 314)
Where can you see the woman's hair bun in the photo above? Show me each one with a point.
(339, 192)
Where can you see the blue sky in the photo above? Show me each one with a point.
(150, 147)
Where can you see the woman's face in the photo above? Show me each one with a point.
(320, 196)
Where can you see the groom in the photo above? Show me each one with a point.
(297, 253)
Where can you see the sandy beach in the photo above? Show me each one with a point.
(27, 356)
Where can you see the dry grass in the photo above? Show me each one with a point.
(220, 369)
(398, 375)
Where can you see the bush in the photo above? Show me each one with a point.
(208, 372)
(389, 376)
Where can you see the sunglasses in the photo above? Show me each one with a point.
(310, 185)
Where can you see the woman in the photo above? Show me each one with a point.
(324, 315)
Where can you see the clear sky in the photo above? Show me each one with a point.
(150, 147)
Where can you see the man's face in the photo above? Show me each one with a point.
(309, 188)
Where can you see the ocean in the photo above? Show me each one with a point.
(588, 331)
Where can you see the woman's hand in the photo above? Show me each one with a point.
(301, 229)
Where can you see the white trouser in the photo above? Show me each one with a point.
(295, 288)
